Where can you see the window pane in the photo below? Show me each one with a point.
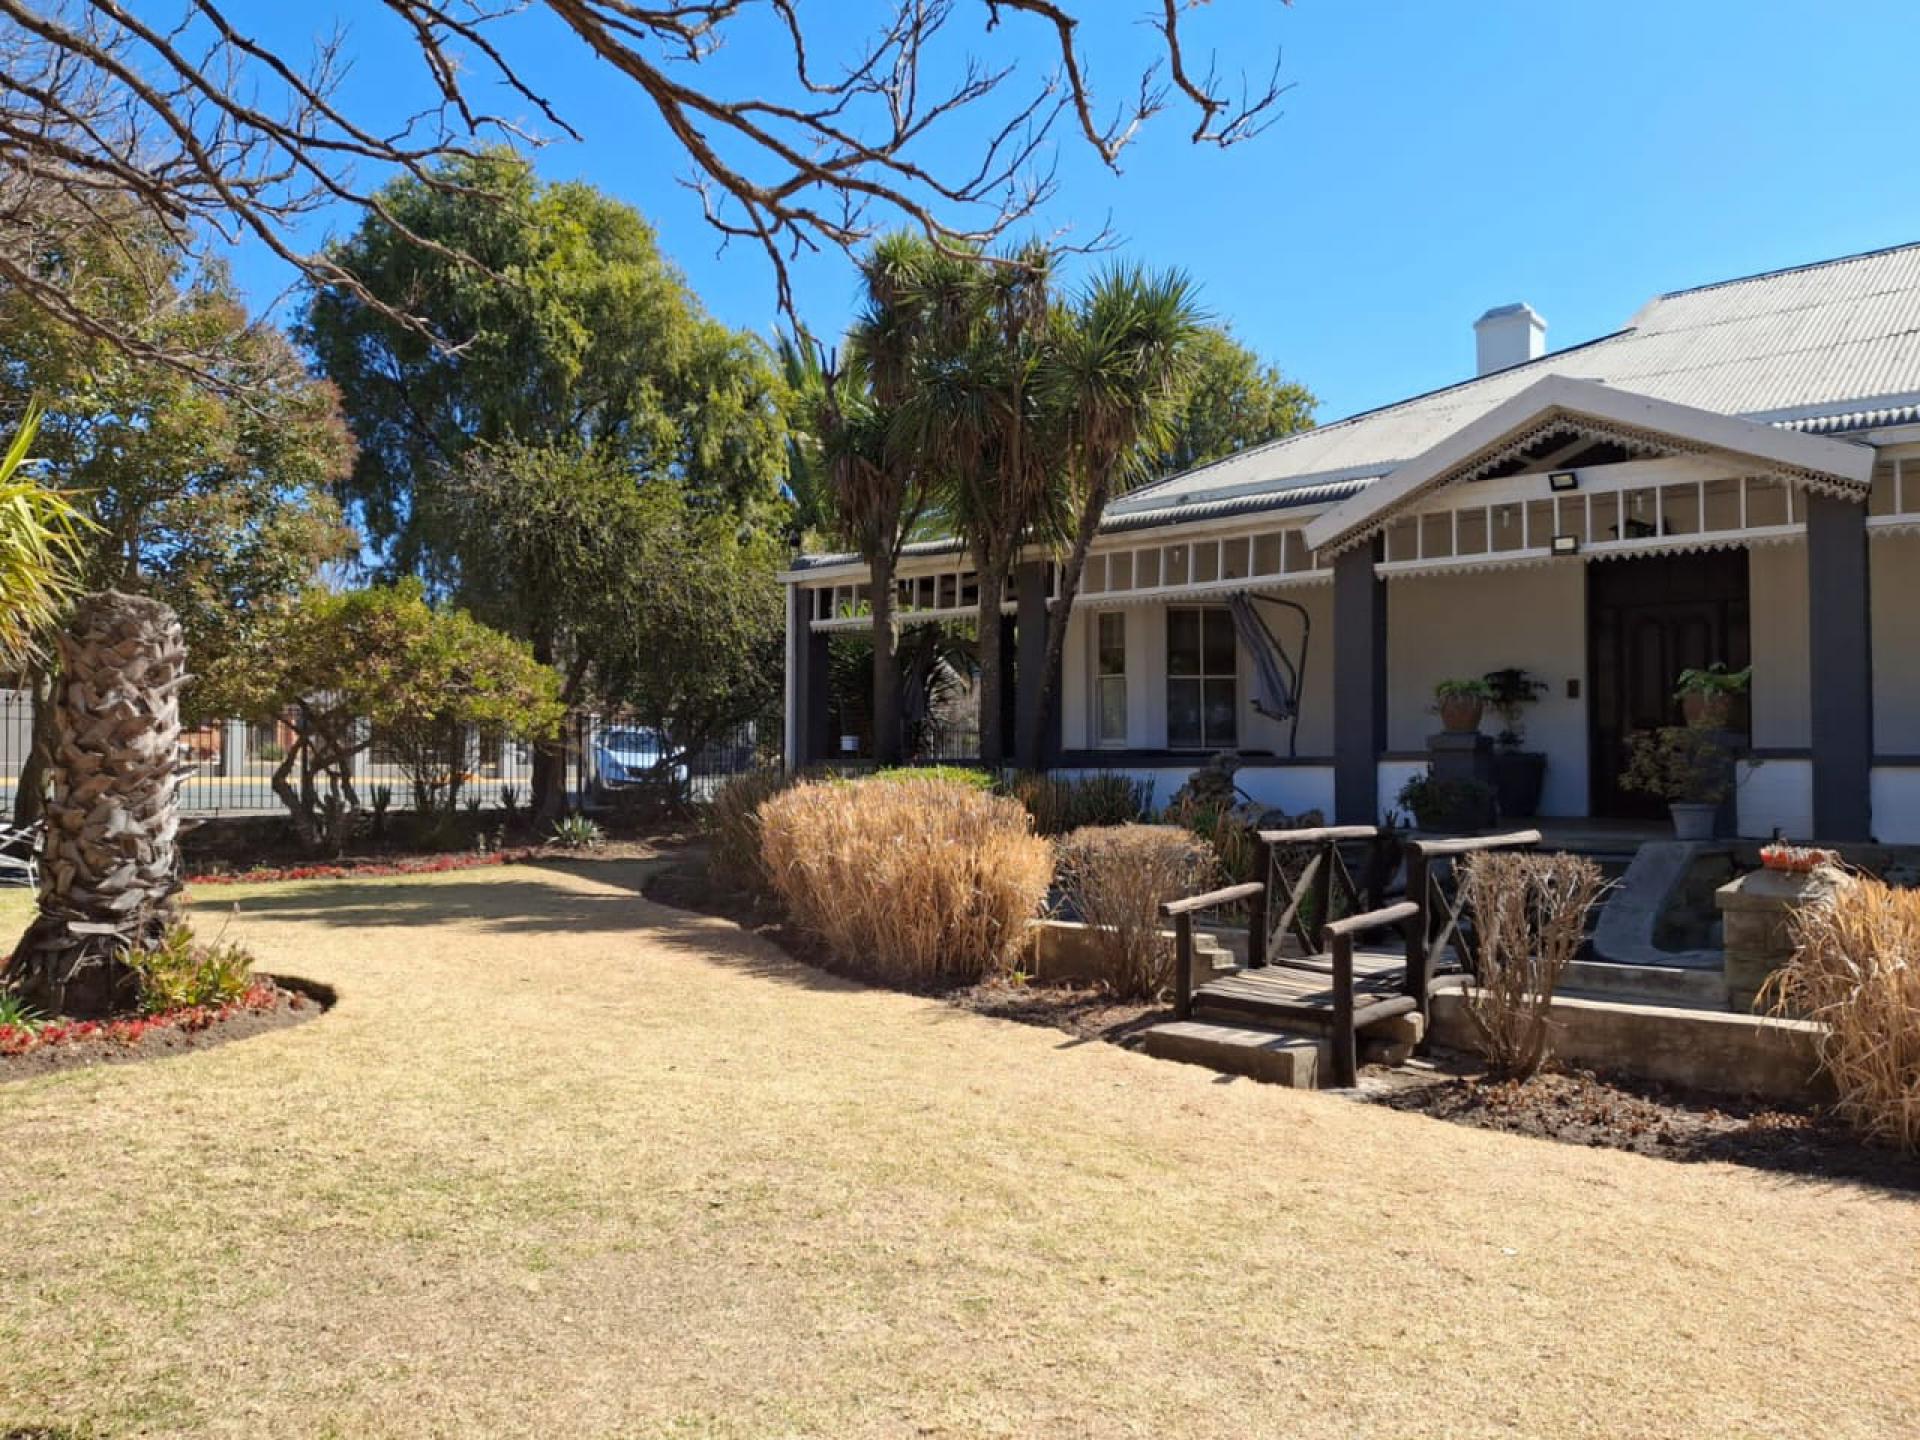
(1113, 643)
(1219, 643)
(1183, 714)
(1220, 727)
(1183, 642)
(1113, 709)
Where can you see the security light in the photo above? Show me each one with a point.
(1562, 480)
(1566, 544)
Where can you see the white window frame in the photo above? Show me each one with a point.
(1208, 743)
(1102, 679)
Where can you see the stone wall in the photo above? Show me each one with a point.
(1756, 913)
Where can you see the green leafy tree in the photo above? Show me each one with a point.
(1230, 400)
(208, 491)
(577, 334)
(352, 667)
(639, 597)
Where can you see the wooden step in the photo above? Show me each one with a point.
(1276, 1057)
(1287, 996)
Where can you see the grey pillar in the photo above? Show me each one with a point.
(1840, 667)
(807, 665)
(1030, 628)
(1359, 685)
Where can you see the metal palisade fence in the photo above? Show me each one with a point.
(233, 762)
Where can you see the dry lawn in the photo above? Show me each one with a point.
(563, 1163)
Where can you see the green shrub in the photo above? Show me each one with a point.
(181, 972)
(16, 1014)
(1116, 877)
(1235, 842)
(1437, 804)
(912, 879)
(1060, 804)
(577, 832)
(732, 824)
(972, 778)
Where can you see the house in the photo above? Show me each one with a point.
(1732, 476)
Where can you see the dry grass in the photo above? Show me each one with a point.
(918, 879)
(1856, 969)
(1116, 877)
(1529, 918)
(563, 1163)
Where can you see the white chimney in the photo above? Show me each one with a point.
(1509, 335)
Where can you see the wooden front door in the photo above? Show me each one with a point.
(1647, 620)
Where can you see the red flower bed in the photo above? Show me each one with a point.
(430, 865)
(17, 1040)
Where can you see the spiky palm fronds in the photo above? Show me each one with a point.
(42, 538)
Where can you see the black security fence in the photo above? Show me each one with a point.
(234, 763)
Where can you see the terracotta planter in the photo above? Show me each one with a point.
(1706, 709)
(1461, 713)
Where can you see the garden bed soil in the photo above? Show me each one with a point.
(1581, 1107)
(1573, 1107)
(429, 862)
(294, 1002)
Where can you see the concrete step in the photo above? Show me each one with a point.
(1661, 984)
(1275, 1056)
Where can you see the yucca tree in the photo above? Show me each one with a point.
(1112, 382)
(110, 875)
(978, 411)
(876, 490)
(41, 547)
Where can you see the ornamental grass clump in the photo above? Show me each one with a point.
(732, 824)
(1529, 915)
(1116, 877)
(1856, 970)
(913, 881)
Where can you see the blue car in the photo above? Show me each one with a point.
(631, 754)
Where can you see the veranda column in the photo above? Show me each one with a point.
(1359, 684)
(1840, 667)
(806, 734)
(1030, 590)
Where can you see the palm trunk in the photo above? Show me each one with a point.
(993, 744)
(1062, 612)
(886, 664)
(111, 869)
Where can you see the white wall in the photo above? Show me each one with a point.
(1295, 789)
(1775, 794)
(1896, 648)
(1777, 610)
(1460, 626)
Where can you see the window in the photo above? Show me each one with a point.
(1202, 688)
(1110, 679)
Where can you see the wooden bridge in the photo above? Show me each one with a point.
(1328, 957)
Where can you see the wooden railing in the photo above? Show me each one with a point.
(1181, 912)
(1310, 898)
(1339, 938)
(1426, 887)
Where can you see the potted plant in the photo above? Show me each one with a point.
(1442, 805)
(1706, 696)
(1518, 774)
(1686, 766)
(1461, 703)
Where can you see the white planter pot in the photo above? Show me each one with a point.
(1692, 820)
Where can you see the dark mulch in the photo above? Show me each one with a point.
(1581, 1107)
(1086, 1013)
(295, 1002)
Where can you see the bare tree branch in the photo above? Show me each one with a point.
(199, 131)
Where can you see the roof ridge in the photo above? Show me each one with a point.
(1359, 415)
(1788, 270)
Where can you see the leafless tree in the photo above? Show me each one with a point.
(192, 129)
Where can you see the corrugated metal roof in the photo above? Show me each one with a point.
(1802, 346)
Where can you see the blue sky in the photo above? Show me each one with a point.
(1432, 160)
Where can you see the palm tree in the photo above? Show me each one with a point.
(109, 878)
(40, 551)
(1114, 379)
(977, 412)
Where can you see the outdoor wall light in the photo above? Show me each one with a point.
(1563, 480)
(1566, 544)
